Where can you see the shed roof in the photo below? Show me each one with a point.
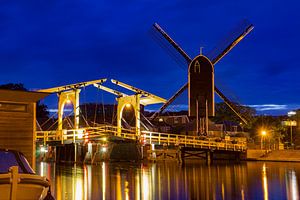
(21, 96)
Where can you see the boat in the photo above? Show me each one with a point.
(18, 181)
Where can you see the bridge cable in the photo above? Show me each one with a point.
(83, 117)
(96, 107)
(85, 102)
(113, 115)
(71, 125)
(52, 116)
(103, 107)
(57, 121)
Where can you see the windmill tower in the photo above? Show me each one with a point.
(201, 86)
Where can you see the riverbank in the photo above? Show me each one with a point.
(274, 155)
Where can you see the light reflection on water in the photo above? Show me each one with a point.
(194, 180)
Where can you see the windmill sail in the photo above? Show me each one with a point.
(215, 55)
(230, 41)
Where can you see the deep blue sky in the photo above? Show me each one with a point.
(50, 43)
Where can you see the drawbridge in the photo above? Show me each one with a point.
(108, 132)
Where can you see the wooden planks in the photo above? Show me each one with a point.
(17, 131)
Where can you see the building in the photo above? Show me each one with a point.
(18, 121)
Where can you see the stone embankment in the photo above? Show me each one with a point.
(274, 155)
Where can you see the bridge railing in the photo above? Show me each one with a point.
(192, 141)
(84, 133)
(146, 137)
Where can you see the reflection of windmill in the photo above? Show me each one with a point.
(200, 84)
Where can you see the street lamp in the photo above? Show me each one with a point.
(290, 114)
(263, 135)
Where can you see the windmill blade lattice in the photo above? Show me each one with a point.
(230, 41)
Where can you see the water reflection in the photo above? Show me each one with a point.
(265, 182)
(194, 180)
(292, 190)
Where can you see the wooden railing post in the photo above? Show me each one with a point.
(45, 137)
(159, 138)
(194, 141)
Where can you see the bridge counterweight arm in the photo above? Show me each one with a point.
(72, 86)
(139, 91)
(115, 92)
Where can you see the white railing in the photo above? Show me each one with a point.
(147, 137)
(191, 141)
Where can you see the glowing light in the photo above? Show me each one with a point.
(126, 190)
(265, 182)
(137, 186)
(161, 120)
(42, 169)
(80, 134)
(68, 101)
(145, 185)
(85, 181)
(291, 113)
(128, 105)
(44, 149)
(292, 190)
(263, 133)
(294, 187)
(118, 185)
(79, 189)
(86, 137)
(90, 148)
(103, 149)
(153, 148)
(103, 180)
(104, 139)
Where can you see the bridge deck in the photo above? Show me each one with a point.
(146, 137)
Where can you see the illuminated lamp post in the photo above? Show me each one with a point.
(290, 114)
(263, 135)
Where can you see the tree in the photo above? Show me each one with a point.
(13, 86)
(224, 113)
(271, 124)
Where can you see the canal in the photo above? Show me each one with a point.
(194, 180)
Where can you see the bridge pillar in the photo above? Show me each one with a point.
(71, 96)
(123, 102)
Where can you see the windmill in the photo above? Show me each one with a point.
(200, 85)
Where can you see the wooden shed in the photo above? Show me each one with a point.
(18, 121)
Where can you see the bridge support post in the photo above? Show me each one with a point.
(123, 102)
(71, 96)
